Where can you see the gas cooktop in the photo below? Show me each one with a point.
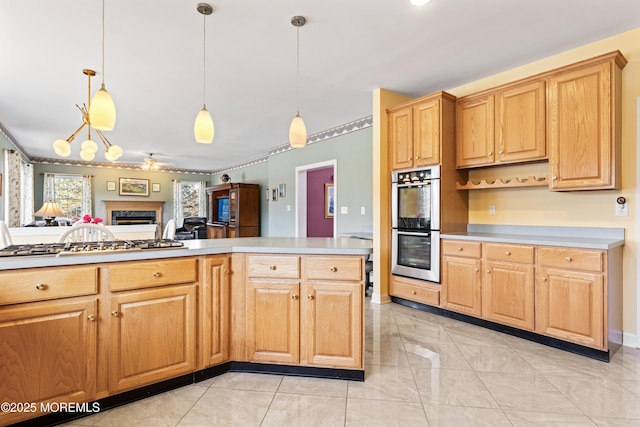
(85, 248)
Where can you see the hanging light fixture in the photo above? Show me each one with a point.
(297, 130)
(62, 147)
(149, 163)
(102, 111)
(203, 127)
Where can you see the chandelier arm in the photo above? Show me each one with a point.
(103, 138)
(74, 134)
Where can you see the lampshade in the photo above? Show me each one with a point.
(113, 153)
(48, 210)
(297, 132)
(419, 2)
(62, 147)
(89, 146)
(203, 127)
(102, 112)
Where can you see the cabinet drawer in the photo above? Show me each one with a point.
(41, 284)
(147, 274)
(334, 268)
(282, 267)
(578, 259)
(461, 248)
(510, 253)
(414, 292)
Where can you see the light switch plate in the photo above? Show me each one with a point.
(492, 209)
(344, 210)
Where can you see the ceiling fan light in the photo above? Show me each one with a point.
(203, 128)
(62, 147)
(102, 112)
(87, 155)
(297, 132)
(89, 146)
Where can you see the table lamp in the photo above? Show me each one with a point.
(48, 211)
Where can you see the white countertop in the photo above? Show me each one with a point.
(275, 245)
(573, 237)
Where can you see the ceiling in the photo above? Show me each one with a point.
(154, 64)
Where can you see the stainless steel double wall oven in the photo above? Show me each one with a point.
(415, 202)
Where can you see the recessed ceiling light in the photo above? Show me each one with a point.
(419, 2)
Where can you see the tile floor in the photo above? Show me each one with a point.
(421, 370)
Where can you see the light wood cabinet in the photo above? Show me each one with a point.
(508, 286)
(305, 310)
(461, 277)
(215, 311)
(415, 290)
(570, 295)
(416, 131)
(500, 127)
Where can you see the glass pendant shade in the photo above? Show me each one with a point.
(62, 147)
(102, 112)
(87, 155)
(113, 153)
(297, 132)
(203, 127)
(89, 146)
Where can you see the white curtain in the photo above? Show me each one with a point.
(49, 187)
(27, 193)
(177, 202)
(13, 164)
(202, 204)
(86, 195)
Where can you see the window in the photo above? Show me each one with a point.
(71, 192)
(189, 199)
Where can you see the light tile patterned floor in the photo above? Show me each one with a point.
(421, 370)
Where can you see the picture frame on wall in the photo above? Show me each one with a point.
(111, 186)
(155, 187)
(329, 200)
(267, 194)
(274, 195)
(282, 190)
(134, 187)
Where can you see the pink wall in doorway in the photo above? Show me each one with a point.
(317, 224)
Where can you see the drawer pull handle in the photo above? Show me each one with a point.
(115, 313)
(568, 259)
(41, 286)
(294, 297)
(272, 267)
(310, 297)
(334, 269)
(91, 318)
(157, 274)
(507, 253)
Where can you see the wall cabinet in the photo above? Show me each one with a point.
(505, 126)
(461, 277)
(243, 204)
(416, 131)
(584, 124)
(305, 310)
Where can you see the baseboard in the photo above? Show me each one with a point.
(630, 340)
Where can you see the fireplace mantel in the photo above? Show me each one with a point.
(133, 205)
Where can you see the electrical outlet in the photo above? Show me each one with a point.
(622, 209)
(362, 210)
(288, 208)
(492, 209)
(344, 210)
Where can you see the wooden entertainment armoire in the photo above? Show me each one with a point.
(244, 210)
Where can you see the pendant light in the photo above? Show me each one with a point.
(203, 127)
(297, 130)
(102, 112)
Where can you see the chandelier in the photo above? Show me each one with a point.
(149, 163)
(62, 147)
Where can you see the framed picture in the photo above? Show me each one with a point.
(155, 187)
(134, 187)
(274, 195)
(329, 200)
(111, 186)
(282, 190)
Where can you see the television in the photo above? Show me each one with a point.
(223, 209)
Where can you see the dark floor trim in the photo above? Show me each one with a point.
(195, 377)
(604, 356)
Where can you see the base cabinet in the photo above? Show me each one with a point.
(215, 311)
(507, 294)
(461, 277)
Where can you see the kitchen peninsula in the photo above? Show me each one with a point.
(118, 326)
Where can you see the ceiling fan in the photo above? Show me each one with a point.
(150, 164)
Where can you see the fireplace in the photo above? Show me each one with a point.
(124, 212)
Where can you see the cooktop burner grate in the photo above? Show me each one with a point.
(84, 248)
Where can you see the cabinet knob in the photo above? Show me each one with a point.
(157, 274)
(507, 253)
(409, 159)
(272, 267)
(310, 297)
(460, 249)
(115, 313)
(490, 153)
(488, 271)
(413, 292)
(543, 279)
(294, 297)
(226, 271)
(501, 152)
(91, 318)
(476, 269)
(41, 286)
(554, 177)
(417, 157)
(334, 269)
(568, 259)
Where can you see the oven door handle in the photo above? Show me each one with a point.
(413, 233)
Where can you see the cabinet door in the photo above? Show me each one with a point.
(426, 133)
(215, 312)
(580, 108)
(47, 354)
(461, 285)
(273, 321)
(332, 324)
(570, 306)
(508, 294)
(475, 131)
(401, 138)
(520, 123)
(152, 336)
